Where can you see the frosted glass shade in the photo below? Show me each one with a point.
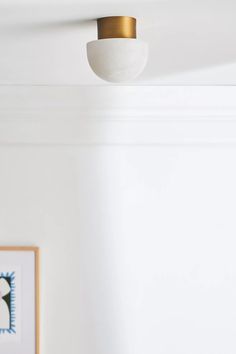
(117, 59)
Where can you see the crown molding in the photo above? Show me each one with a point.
(117, 115)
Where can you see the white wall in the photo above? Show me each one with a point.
(137, 240)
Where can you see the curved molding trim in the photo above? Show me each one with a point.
(117, 115)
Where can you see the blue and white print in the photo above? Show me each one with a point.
(7, 303)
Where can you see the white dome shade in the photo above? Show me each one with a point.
(117, 59)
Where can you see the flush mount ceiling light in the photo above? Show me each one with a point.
(117, 56)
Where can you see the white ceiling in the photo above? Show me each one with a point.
(44, 41)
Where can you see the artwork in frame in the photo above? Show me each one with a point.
(19, 300)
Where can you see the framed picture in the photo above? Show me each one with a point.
(19, 300)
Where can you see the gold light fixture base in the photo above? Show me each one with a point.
(116, 27)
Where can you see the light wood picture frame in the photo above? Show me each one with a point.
(19, 300)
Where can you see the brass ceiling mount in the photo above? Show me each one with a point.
(116, 27)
